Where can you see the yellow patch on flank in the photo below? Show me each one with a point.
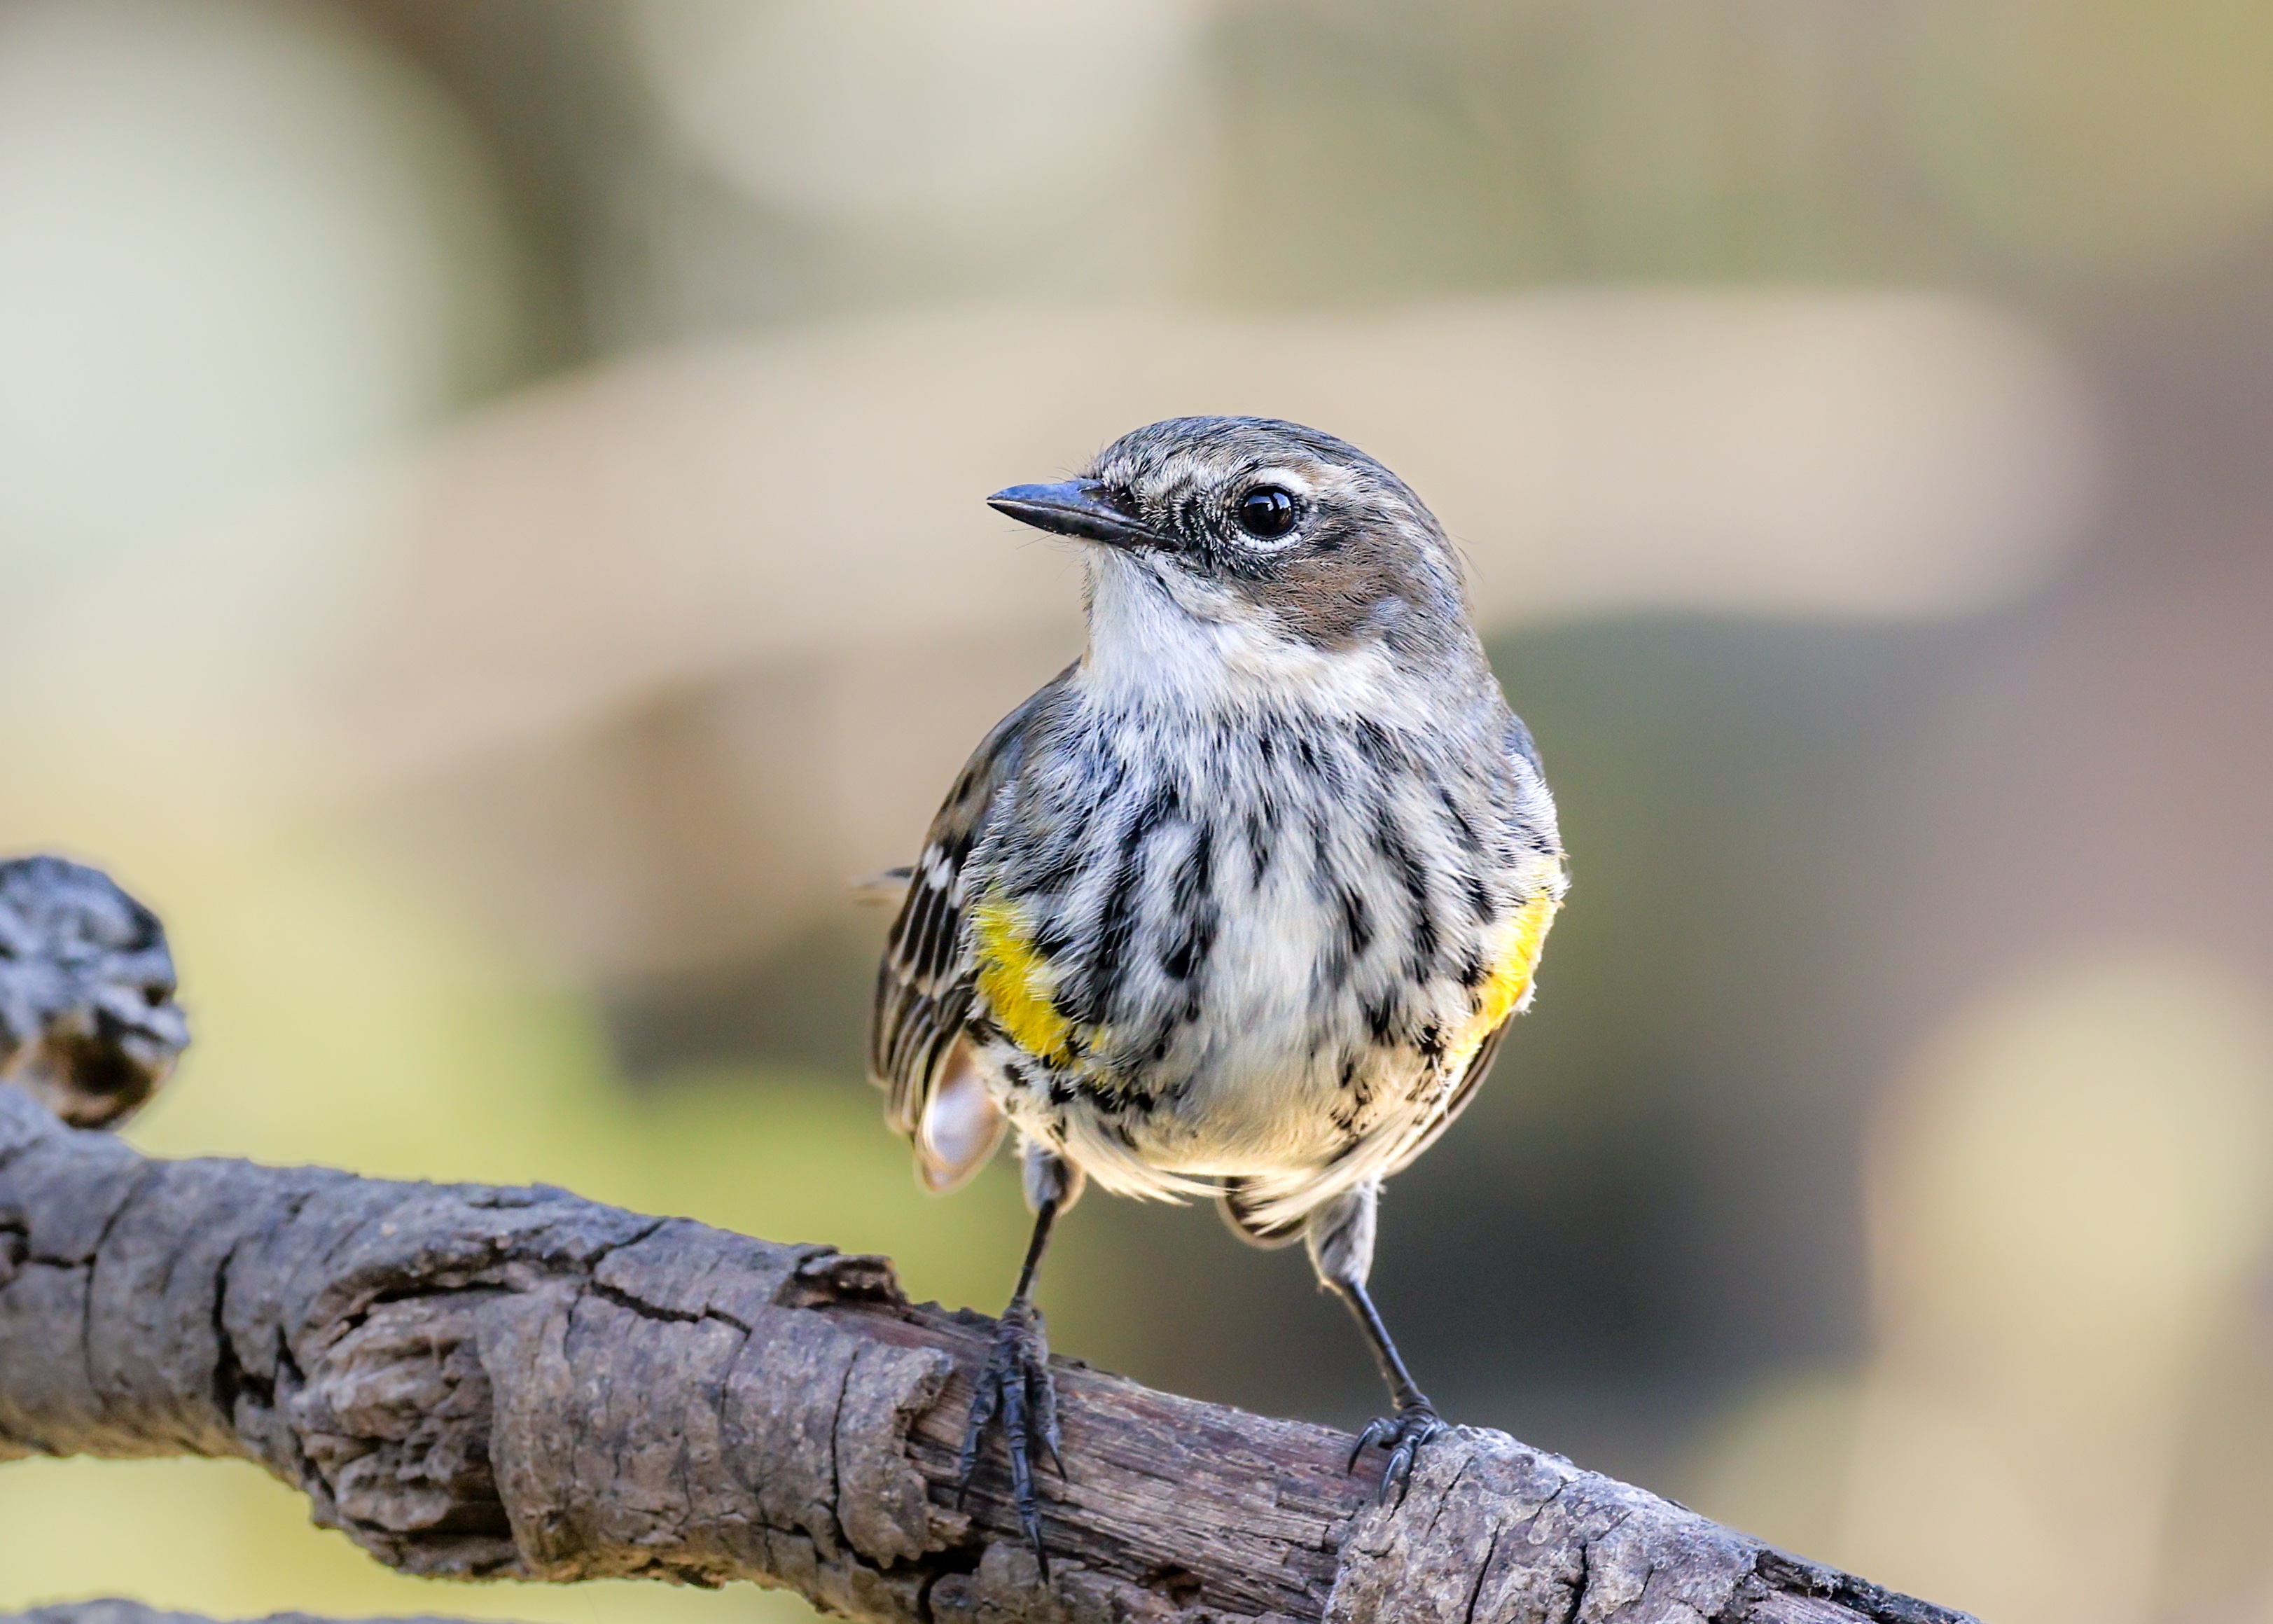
(1014, 980)
(1509, 984)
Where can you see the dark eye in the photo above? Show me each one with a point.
(1266, 511)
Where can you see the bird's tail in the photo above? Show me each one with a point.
(1241, 1204)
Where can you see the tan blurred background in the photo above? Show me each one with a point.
(490, 513)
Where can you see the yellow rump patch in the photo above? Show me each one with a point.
(1509, 984)
(1014, 980)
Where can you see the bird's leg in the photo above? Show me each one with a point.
(1015, 1383)
(1340, 1237)
(1415, 1420)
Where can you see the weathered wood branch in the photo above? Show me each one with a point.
(473, 1382)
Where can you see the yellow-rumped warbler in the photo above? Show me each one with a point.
(1241, 902)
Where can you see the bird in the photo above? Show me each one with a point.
(88, 1023)
(1240, 905)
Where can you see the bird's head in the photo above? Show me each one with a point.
(1260, 541)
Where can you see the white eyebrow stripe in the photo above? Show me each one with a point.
(1286, 477)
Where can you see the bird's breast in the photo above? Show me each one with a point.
(1242, 949)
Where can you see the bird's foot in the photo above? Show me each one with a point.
(1017, 1386)
(1402, 1435)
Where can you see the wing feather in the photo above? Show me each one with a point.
(1455, 1102)
(1507, 993)
(925, 983)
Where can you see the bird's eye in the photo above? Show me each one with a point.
(1266, 511)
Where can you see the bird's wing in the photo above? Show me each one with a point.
(917, 1052)
(1506, 993)
(1455, 1102)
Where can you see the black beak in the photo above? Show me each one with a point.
(1082, 507)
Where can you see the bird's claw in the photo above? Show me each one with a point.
(1403, 1435)
(1017, 1386)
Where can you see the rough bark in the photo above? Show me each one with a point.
(489, 1383)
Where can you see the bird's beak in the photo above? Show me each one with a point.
(1082, 507)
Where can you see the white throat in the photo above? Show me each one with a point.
(1157, 638)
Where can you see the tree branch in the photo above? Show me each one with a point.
(474, 1382)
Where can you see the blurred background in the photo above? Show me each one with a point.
(490, 513)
